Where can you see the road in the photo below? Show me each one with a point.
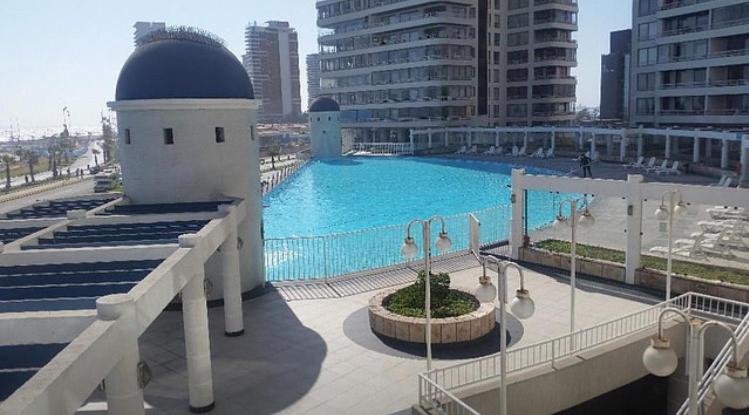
(77, 189)
(80, 163)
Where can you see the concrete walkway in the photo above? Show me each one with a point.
(320, 357)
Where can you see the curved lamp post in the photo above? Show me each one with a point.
(586, 220)
(665, 213)
(522, 307)
(731, 387)
(410, 250)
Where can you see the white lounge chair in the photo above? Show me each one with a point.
(696, 248)
(521, 152)
(473, 150)
(636, 165)
(550, 153)
(515, 151)
(499, 151)
(673, 170)
(492, 150)
(649, 165)
(538, 153)
(462, 150)
(723, 212)
(656, 168)
(722, 180)
(728, 182)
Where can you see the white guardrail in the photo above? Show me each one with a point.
(384, 148)
(437, 388)
(328, 256)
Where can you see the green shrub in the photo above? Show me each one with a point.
(409, 301)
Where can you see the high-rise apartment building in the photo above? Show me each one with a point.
(272, 61)
(144, 28)
(615, 76)
(690, 63)
(313, 77)
(400, 64)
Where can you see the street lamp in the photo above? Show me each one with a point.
(522, 307)
(731, 387)
(586, 220)
(409, 250)
(665, 213)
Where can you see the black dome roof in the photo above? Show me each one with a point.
(182, 68)
(324, 105)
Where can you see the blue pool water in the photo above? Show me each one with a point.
(348, 197)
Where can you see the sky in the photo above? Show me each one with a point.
(57, 54)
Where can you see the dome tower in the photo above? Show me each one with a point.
(186, 117)
(325, 128)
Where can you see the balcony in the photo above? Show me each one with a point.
(327, 33)
(563, 2)
(669, 5)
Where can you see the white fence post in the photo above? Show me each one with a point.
(518, 207)
(634, 227)
(474, 229)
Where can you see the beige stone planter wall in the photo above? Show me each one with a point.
(648, 278)
(465, 328)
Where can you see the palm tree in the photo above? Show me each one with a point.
(31, 157)
(7, 159)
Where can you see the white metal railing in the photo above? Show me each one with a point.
(384, 148)
(437, 397)
(280, 176)
(328, 256)
(719, 363)
(461, 375)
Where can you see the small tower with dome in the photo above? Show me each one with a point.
(325, 128)
(186, 116)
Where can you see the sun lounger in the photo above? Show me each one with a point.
(473, 150)
(538, 153)
(492, 150)
(462, 150)
(722, 180)
(636, 165)
(668, 171)
(656, 168)
(550, 153)
(650, 165)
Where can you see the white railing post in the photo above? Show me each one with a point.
(124, 394)
(518, 206)
(633, 251)
(474, 229)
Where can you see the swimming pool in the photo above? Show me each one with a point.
(345, 215)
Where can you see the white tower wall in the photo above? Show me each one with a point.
(325, 134)
(196, 167)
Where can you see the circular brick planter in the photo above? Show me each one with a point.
(460, 329)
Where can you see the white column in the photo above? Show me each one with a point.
(197, 340)
(429, 144)
(580, 140)
(708, 149)
(496, 139)
(696, 149)
(634, 227)
(668, 144)
(446, 137)
(553, 141)
(518, 210)
(124, 394)
(470, 138)
(724, 154)
(593, 147)
(232, 283)
(640, 143)
(525, 141)
(411, 139)
(623, 147)
(744, 178)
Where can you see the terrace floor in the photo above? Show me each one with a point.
(320, 357)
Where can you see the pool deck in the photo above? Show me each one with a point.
(320, 357)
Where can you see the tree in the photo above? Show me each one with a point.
(31, 157)
(7, 159)
(108, 136)
(96, 153)
(275, 150)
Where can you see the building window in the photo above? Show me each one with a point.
(127, 136)
(646, 81)
(220, 138)
(168, 136)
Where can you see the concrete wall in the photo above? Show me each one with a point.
(575, 380)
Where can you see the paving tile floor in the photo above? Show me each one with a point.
(319, 356)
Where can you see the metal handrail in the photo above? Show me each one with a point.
(441, 399)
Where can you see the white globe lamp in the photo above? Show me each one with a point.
(444, 244)
(522, 305)
(659, 358)
(732, 387)
(409, 248)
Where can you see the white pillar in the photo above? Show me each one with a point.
(593, 147)
(744, 178)
(634, 227)
(553, 141)
(411, 140)
(518, 211)
(668, 144)
(232, 284)
(525, 141)
(640, 143)
(708, 149)
(197, 340)
(429, 136)
(124, 394)
(696, 149)
(580, 140)
(724, 154)
(623, 147)
(446, 137)
(496, 139)
(470, 138)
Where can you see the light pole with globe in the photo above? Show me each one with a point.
(731, 387)
(586, 220)
(522, 307)
(667, 213)
(410, 250)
